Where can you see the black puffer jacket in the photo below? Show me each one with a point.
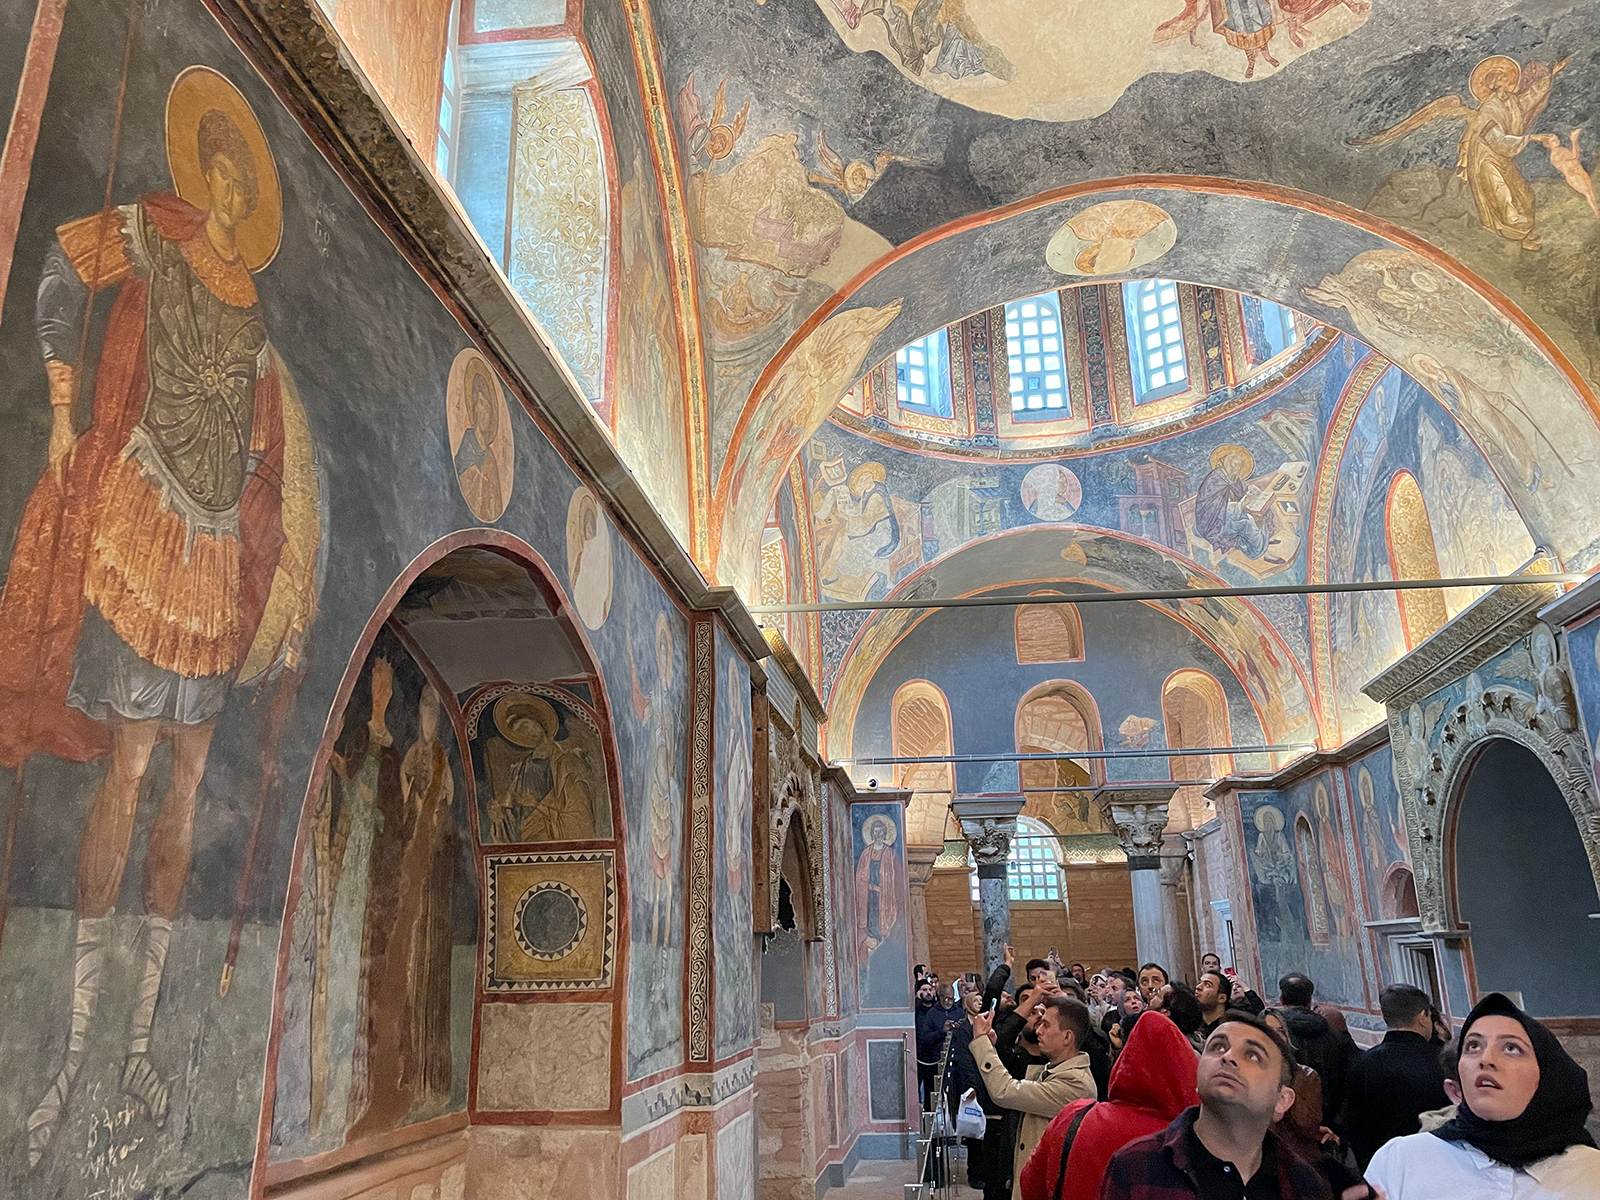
(931, 1026)
(1327, 1051)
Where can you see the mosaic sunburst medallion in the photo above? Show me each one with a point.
(551, 919)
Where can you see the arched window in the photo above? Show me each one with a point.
(1058, 717)
(1196, 715)
(922, 374)
(919, 727)
(1033, 868)
(1033, 355)
(1155, 339)
(1412, 556)
(1269, 329)
(1048, 633)
(444, 151)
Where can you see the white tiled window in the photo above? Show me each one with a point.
(922, 374)
(1031, 869)
(1155, 338)
(1033, 355)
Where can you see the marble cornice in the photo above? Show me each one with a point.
(1306, 764)
(1578, 603)
(784, 657)
(1475, 635)
(320, 82)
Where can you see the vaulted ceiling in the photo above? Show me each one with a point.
(798, 188)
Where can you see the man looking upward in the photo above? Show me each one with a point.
(1225, 1149)
(1062, 1026)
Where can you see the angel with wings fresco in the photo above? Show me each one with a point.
(1510, 98)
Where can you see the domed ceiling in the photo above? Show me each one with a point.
(810, 201)
(1082, 371)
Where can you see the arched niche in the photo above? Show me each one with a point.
(1519, 882)
(919, 727)
(1057, 717)
(1195, 712)
(1398, 900)
(434, 923)
(1048, 633)
(794, 817)
(1413, 555)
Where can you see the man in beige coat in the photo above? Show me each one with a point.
(1060, 1023)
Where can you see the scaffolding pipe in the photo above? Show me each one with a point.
(1060, 787)
(1217, 593)
(1069, 755)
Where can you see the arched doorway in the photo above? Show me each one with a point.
(791, 992)
(1523, 887)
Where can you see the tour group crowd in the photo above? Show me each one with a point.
(1136, 1086)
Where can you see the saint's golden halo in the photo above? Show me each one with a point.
(1221, 453)
(1488, 69)
(878, 820)
(198, 91)
(518, 707)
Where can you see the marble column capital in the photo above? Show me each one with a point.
(1137, 815)
(988, 823)
(919, 864)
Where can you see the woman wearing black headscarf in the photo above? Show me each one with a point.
(1519, 1129)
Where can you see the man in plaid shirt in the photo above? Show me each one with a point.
(1225, 1149)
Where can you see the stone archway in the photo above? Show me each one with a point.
(1517, 879)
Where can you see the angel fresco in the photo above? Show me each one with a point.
(713, 139)
(1510, 98)
(168, 552)
(544, 783)
(852, 180)
(917, 28)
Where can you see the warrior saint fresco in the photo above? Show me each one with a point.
(167, 553)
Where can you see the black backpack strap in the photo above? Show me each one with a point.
(1066, 1147)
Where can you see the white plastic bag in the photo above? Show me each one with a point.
(971, 1120)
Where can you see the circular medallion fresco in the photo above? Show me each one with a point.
(550, 921)
(1051, 492)
(481, 440)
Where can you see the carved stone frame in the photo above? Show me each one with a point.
(1432, 764)
(1463, 733)
(795, 782)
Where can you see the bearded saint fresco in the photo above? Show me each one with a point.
(167, 552)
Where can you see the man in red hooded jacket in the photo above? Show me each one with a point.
(1153, 1081)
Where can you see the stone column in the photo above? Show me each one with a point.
(919, 870)
(1174, 858)
(989, 823)
(1138, 815)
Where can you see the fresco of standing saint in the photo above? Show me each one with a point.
(880, 899)
(168, 552)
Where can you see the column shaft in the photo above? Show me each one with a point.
(994, 910)
(1149, 924)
